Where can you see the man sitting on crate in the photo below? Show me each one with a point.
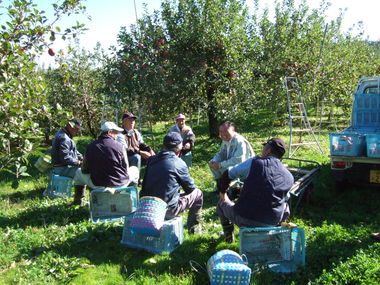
(66, 159)
(262, 200)
(137, 150)
(165, 173)
(233, 150)
(105, 163)
(187, 135)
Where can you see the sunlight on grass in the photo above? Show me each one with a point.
(43, 241)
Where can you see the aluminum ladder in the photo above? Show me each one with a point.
(297, 115)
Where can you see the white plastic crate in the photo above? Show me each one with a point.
(170, 238)
(113, 204)
(281, 249)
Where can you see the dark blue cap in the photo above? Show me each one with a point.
(171, 140)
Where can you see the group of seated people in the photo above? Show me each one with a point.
(115, 159)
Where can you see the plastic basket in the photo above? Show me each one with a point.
(60, 186)
(347, 144)
(43, 163)
(281, 249)
(149, 216)
(112, 205)
(170, 238)
(373, 145)
(228, 267)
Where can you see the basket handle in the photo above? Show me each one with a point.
(244, 258)
(194, 265)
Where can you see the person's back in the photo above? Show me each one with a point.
(164, 174)
(264, 191)
(106, 162)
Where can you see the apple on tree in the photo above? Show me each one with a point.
(51, 52)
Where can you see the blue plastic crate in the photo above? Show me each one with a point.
(366, 110)
(281, 249)
(112, 205)
(347, 144)
(60, 186)
(227, 267)
(170, 238)
(373, 145)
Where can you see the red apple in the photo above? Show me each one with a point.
(217, 59)
(231, 74)
(51, 52)
(144, 65)
(202, 63)
(192, 70)
(140, 45)
(165, 53)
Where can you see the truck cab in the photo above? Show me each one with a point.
(355, 152)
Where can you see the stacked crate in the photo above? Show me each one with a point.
(363, 137)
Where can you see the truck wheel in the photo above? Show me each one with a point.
(341, 185)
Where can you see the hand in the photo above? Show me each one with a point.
(145, 154)
(223, 197)
(214, 165)
(187, 146)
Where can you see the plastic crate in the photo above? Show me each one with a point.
(373, 145)
(227, 267)
(281, 249)
(112, 206)
(366, 110)
(170, 238)
(347, 144)
(60, 186)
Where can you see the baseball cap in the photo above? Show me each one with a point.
(278, 146)
(128, 115)
(76, 123)
(180, 116)
(110, 126)
(172, 140)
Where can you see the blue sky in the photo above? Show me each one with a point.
(109, 15)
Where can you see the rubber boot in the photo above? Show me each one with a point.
(228, 232)
(193, 221)
(78, 195)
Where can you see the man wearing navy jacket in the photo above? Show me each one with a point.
(165, 174)
(262, 200)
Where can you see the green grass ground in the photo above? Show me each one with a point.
(43, 241)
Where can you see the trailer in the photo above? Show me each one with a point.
(304, 173)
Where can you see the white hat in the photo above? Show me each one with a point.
(110, 126)
(180, 116)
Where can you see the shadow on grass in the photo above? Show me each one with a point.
(20, 195)
(44, 216)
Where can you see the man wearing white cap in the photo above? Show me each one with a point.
(105, 163)
(187, 135)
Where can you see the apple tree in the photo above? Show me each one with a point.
(25, 33)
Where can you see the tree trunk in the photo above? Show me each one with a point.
(211, 112)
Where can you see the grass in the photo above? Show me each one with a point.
(43, 241)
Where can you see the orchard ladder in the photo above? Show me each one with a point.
(110, 109)
(297, 115)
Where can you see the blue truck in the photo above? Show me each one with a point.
(355, 152)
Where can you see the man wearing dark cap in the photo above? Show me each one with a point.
(138, 151)
(65, 157)
(165, 173)
(262, 200)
